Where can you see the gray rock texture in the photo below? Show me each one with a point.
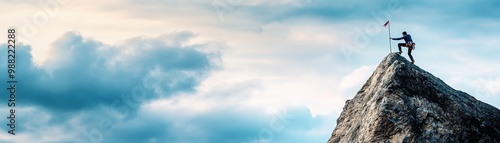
(402, 103)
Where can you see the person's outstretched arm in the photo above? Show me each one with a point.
(397, 38)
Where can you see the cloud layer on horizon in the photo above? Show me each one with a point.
(87, 83)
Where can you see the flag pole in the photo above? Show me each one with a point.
(390, 42)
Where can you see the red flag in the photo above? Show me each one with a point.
(386, 23)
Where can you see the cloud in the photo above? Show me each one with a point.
(87, 75)
(215, 125)
(174, 122)
(84, 77)
(82, 73)
(217, 112)
(356, 78)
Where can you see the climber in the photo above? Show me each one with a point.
(408, 43)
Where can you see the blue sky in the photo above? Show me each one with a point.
(226, 71)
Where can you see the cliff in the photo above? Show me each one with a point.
(401, 102)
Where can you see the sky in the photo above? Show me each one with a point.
(225, 71)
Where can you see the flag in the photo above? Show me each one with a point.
(386, 23)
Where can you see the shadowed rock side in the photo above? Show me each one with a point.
(402, 103)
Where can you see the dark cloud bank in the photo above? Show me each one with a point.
(86, 81)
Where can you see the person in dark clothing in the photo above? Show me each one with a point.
(408, 43)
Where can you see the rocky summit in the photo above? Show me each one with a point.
(403, 103)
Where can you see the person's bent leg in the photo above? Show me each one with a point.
(399, 47)
(409, 54)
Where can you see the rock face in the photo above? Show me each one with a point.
(402, 103)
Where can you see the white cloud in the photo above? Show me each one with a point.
(356, 78)
(488, 87)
